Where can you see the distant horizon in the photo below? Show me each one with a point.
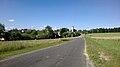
(41, 28)
(83, 14)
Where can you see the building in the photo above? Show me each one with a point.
(72, 28)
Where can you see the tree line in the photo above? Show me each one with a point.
(48, 33)
(29, 34)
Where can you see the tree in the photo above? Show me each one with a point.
(62, 30)
(77, 33)
(48, 28)
(26, 36)
(65, 34)
(56, 34)
(33, 34)
(15, 36)
(2, 29)
(49, 31)
(42, 36)
(80, 31)
(6, 36)
(74, 30)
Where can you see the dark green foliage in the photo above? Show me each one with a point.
(104, 30)
(70, 34)
(77, 34)
(74, 30)
(42, 36)
(62, 31)
(49, 32)
(15, 36)
(65, 34)
(101, 30)
(26, 37)
(6, 36)
(33, 34)
(55, 34)
(2, 29)
(48, 28)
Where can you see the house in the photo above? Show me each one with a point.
(2, 39)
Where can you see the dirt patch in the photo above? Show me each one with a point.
(104, 57)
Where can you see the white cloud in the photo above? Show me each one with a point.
(11, 20)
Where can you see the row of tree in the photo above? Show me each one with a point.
(27, 34)
(105, 30)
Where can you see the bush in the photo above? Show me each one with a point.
(26, 37)
(15, 36)
(42, 36)
(6, 35)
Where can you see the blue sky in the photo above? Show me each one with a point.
(83, 14)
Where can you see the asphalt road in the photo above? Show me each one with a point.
(66, 55)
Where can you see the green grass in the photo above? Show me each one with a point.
(10, 48)
(104, 52)
(105, 35)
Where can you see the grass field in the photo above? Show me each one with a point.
(104, 52)
(9, 48)
(105, 35)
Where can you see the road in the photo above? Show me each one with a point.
(66, 55)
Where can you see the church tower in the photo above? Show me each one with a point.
(72, 28)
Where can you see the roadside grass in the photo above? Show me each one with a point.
(10, 48)
(104, 52)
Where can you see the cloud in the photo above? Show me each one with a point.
(11, 20)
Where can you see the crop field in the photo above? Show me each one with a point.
(9, 48)
(105, 35)
(104, 52)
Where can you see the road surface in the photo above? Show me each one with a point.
(66, 55)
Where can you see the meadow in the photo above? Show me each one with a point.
(104, 52)
(10, 48)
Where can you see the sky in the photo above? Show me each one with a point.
(82, 14)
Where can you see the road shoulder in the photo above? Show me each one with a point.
(89, 63)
